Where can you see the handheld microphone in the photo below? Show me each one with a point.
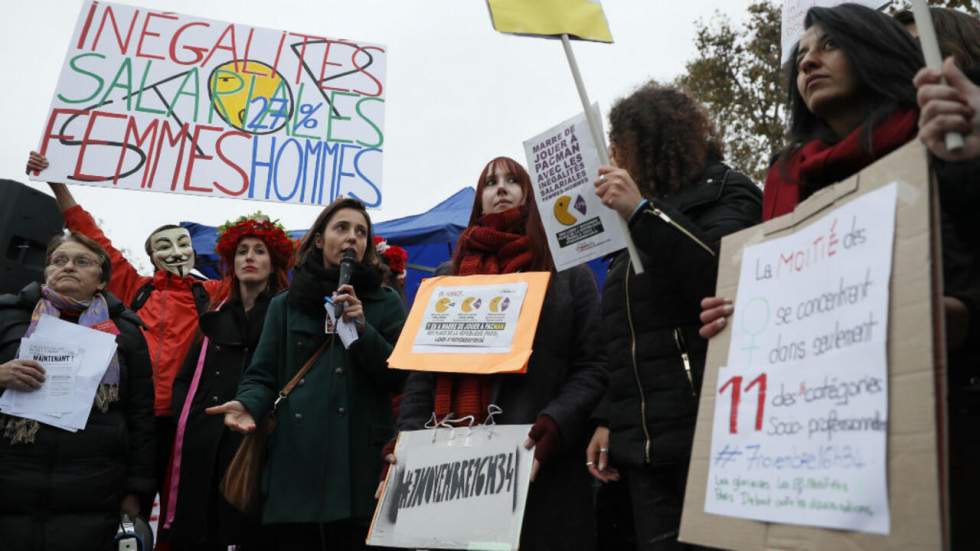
(346, 267)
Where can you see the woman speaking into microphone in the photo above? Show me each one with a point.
(325, 454)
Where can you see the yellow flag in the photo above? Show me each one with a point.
(581, 19)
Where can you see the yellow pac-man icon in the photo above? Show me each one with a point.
(250, 96)
(561, 211)
(470, 304)
(499, 304)
(443, 304)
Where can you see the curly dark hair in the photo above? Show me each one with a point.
(663, 137)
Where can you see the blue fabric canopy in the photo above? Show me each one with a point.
(428, 237)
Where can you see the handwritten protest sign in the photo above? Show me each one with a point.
(794, 14)
(472, 324)
(563, 162)
(840, 347)
(159, 101)
(455, 489)
(801, 411)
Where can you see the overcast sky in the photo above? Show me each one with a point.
(457, 93)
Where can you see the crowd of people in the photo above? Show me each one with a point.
(613, 384)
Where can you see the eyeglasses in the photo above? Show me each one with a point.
(80, 261)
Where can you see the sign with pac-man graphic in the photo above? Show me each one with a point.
(472, 324)
(159, 101)
(563, 162)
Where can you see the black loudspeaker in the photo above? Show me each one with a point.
(28, 220)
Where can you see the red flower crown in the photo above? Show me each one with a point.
(256, 225)
(394, 256)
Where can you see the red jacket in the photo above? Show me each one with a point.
(169, 314)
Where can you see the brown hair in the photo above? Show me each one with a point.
(534, 230)
(958, 34)
(308, 244)
(104, 261)
(663, 137)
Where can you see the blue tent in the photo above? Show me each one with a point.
(428, 237)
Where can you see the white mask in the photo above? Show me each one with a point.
(172, 251)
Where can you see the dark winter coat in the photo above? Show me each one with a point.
(325, 454)
(63, 491)
(564, 381)
(202, 514)
(650, 321)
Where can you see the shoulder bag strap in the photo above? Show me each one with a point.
(301, 373)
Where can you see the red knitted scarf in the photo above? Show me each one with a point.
(818, 164)
(496, 244)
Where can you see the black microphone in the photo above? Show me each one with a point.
(346, 267)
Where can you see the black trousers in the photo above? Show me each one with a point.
(657, 495)
(330, 536)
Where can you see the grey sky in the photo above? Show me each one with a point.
(457, 93)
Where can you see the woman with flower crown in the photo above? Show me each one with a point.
(255, 258)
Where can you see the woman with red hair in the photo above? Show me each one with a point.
(564, 380)
(255, 258)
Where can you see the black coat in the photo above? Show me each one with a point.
(64, 490)
(565, 381)
(202, 514)
(651, 321)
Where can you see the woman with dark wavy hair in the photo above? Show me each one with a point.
(668, 181)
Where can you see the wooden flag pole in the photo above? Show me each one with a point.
(934, 59)
(599, 141)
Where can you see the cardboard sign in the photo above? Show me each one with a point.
(801, 409)
(582, 19)
(794, 15)
(914, 383)
(158, 101)
(563, 163)
(479, 324)
(455, 489)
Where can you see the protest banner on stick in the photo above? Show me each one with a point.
(562, 163)
(819, 420)
(565, 19)
(158, 101)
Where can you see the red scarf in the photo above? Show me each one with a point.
(496, 244)
(818, 164)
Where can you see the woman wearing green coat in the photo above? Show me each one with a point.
(324, 457)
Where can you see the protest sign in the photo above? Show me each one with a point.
(794, 14)
(158, 101)
(472, 324)
(582, 19)
(819, 418)
(801, 408)
(455, 489)
(563, 162)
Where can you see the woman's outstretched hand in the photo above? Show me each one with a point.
(237, 418)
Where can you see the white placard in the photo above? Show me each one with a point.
(60, 363)
(471, 319)
(801, 410)
(95, 351)
(563, 163)
(153, 100)
(794, 14)
(456, 489)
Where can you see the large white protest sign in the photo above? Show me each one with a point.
(563, 163)
(801, 410)
(455, 489)
(471, 319)
(794, 14)
(159, 101)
